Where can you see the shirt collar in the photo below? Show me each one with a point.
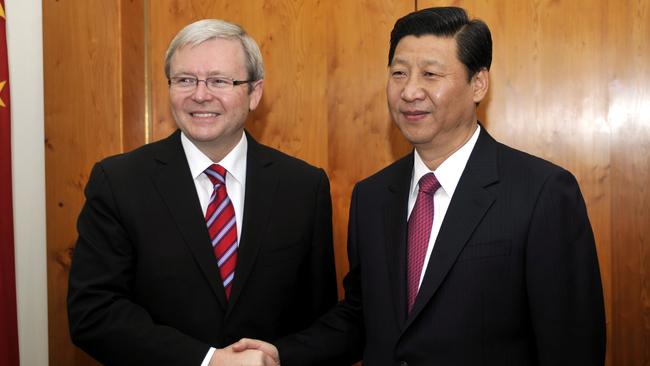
(449, 172)
(234, 162)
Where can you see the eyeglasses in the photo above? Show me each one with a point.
(214, 84)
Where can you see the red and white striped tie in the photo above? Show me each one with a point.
(222, 226)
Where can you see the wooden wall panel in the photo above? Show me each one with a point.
(362, 138)
(82, 124)
(627, 83)
(134, 84)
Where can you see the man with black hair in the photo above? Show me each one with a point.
(466, 251)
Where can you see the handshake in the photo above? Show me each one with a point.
(246, 352)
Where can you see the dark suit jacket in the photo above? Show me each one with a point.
(144, 284)
(513, 278)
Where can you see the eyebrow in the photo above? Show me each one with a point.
(209, 74)
(427, 62)
(432, 63)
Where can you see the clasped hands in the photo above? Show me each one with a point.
(246, 352)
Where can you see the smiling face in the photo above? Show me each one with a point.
(213, 121)
(429, 96)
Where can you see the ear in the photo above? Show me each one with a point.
(480, 83)
(255, 94)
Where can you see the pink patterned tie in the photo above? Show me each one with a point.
(220, 218)
(419, 231)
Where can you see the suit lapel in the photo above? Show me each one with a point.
(468, 206)
(395, 213)
(261, 183)
(174, 182)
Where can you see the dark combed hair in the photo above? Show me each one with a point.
(473, 37)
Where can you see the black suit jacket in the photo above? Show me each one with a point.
(513, 278)
(144, 284)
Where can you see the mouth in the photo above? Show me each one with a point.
(414, 115)
(202, 115)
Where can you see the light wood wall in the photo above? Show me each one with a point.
(570, 82)
(82, 67)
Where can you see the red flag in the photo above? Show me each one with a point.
(8, 315)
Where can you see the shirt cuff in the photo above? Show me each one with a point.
(208, 357)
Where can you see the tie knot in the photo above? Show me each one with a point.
(429, 183)
(216, 173)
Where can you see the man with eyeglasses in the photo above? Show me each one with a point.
(188, 244)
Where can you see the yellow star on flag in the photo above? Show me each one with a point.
(2, 11)
(2, 86)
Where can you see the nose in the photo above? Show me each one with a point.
(413, 89)
(201, 93)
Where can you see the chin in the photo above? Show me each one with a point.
(209, 138)
(201, 137)
(414, 135)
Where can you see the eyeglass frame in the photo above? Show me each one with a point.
(233, 84)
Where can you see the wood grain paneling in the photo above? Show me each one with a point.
(83, 123)
(133, 48)
(362, 138)
(82, 104)
(627, 83)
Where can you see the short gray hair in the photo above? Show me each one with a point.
(207, 29)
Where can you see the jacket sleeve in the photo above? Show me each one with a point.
(103, 317)
(563, 278)
(321, 268)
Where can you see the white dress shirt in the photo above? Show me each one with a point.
(235, 164)
(448, 174)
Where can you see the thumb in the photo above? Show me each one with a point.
(241, 345)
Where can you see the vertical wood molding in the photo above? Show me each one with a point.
(627, 83)
(133, 72)
(148, 125)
